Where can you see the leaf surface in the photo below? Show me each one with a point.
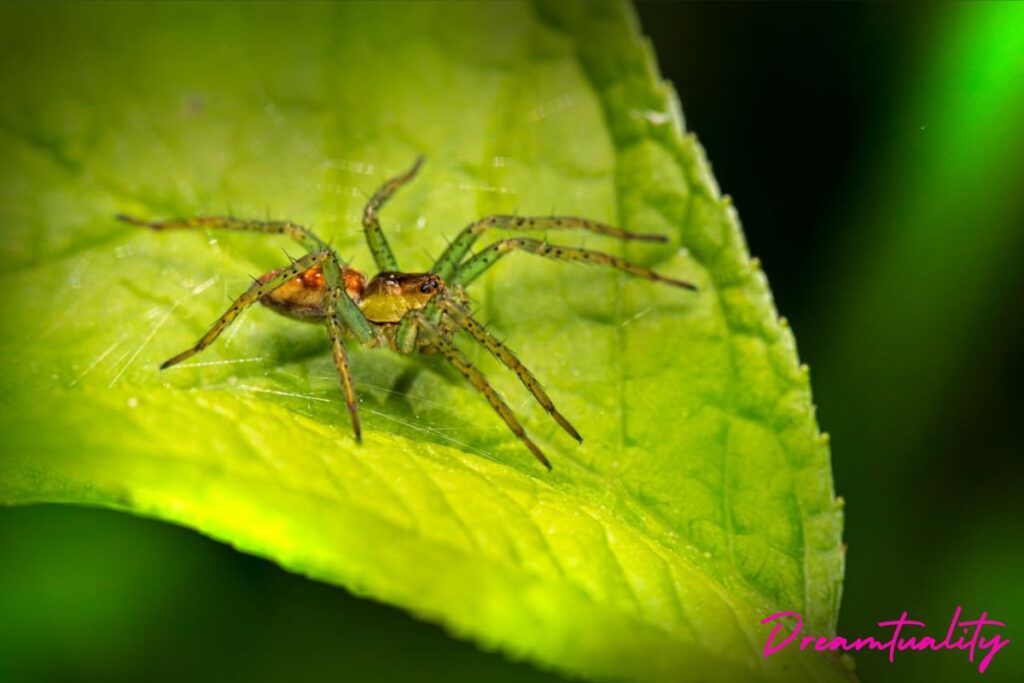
(701, 499)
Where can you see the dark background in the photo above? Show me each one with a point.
(872, 156)
(875, 163)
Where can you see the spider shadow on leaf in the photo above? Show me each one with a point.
(398, 394)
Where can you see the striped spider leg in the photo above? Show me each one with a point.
(339, 312)
(448, 312)
(432, 338)
(476, 265)
(453, 314)
(383, 256)
(451, 261)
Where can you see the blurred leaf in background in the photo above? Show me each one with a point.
(702, 499)
(885, 140)
(921, 380)
(93, 595)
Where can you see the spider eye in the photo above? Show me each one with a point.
(426, 288)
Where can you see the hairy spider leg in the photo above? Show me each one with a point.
(448, 327)
(462, 318)
(456, 251)
(339, 354)
(336, 302)
(448, 263)
(350, 314)
(375, 239)
(256, 290)
(448, 266)
(474, 267)
(432, 337)
(405, 336)
(300, 234)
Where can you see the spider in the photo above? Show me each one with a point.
(402, 311)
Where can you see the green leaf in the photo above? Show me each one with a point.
(701, 500)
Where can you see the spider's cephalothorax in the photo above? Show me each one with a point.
(384, 299)
(407, 311)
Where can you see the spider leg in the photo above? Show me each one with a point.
(300, 234)
(250, 296)
(340, 355)
(457, 249)
(347, 309)
(375, 238)
(340, 308)
(405, 337)
(432, 336)
(460, 317)
(341, 313)
(445, 322)
(480, 262)
(349, 312)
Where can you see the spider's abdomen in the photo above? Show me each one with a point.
(302, 297)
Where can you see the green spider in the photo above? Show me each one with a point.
(406, 311)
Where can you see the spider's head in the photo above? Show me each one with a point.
(388, 296)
